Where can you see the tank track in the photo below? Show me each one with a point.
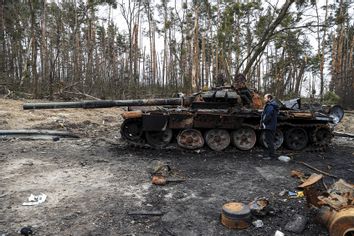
(314, 145)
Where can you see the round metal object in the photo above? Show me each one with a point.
(278, 139)
(322, 135)
(296, 138)
(158, 139)
(190, 139)
(235, 215)
(342, 223)
(217, 139)
(131, 129)
(337, 113)
(244, 138)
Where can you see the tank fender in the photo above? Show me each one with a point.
(155, 122)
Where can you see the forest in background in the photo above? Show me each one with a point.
(62, 49)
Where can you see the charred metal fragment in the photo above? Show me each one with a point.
(335, 205)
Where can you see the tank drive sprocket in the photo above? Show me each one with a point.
(321, 135)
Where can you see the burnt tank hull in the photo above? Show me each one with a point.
(219, 129)
(216, 118)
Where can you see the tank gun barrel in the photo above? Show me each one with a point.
(90, 104)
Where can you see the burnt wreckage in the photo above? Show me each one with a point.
(217, 118)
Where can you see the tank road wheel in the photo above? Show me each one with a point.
(296, 138)
(131, 129)
(190, 139)
(322, 136)
(158, 139)
(278, 139)
(244, 138)
(217, 139)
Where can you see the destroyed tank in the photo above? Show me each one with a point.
(216, 118)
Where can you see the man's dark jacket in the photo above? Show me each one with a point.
(269, 116)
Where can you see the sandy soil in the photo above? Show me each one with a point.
(93, 182)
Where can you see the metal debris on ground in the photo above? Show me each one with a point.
(162, 180)
(162, 174)
(34, 134)
(259, 207)
(236, 215)
(35, 199)
(334, 206)
(296, 224)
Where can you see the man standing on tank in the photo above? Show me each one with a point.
(269, 124)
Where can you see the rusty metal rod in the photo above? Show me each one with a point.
(318, 170)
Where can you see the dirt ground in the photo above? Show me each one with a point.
(92, 183)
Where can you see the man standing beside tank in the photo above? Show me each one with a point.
(269, 124)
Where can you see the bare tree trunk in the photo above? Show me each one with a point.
(267, 36)
(44, 53)
(321, 46)
(34, 50)
(195, 66)
(203, 61)
(3, 53)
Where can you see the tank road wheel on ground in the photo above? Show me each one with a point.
(158, 139)
(131, 130)
(278, 139)
(244, 138)
(217, 139)
(322, 136)
(296, 138)
(190, 139)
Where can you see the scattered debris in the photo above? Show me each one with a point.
(146, 213)
(284, 158)
(162, 174)
(28, 163)
(334, 206)
(258, 223)
(162, 180)
(279, 233)
(35, 199)
(35, 134)
(26, 231)
(282, 193)
(161, 169)
(236, 215)
(318, 170)
(342, 134)
(298, 174)
(296, 194)
(259, 207)
(296, 224)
